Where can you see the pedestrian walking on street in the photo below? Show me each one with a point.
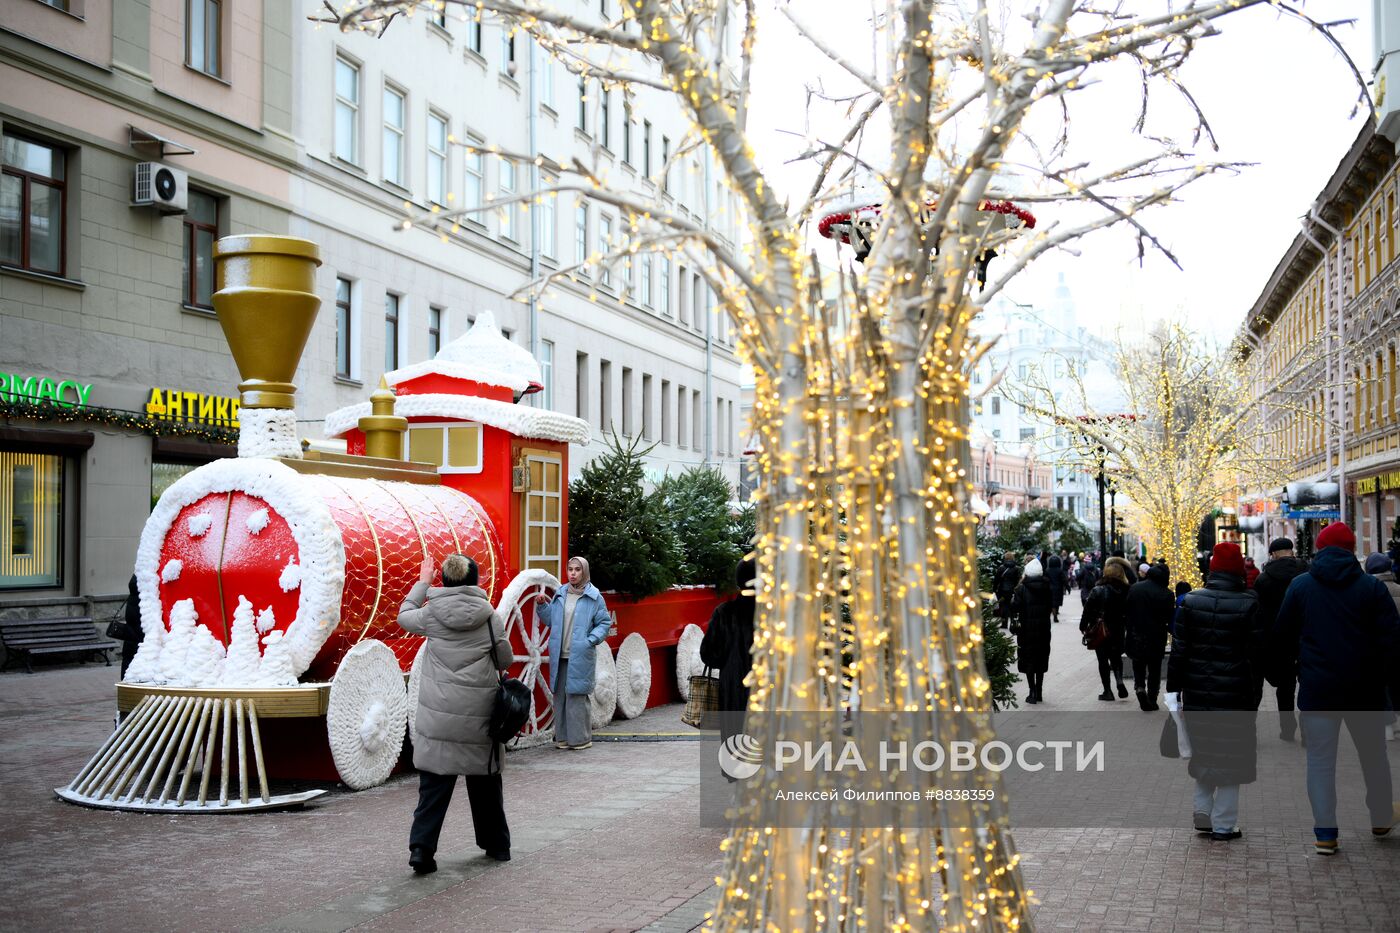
(131, 641)
(1087, 579)
(1342, 627)
(1108, 602)
(1281, 668)
(1055, 577)
(1007, 577)
(728, 648)
(578, 622)
(1033, 603)
(1150, 609)
(1380, 566)
(1216, 651)
(1251, 573)
(466, 646)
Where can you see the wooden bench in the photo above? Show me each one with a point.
(28, 637)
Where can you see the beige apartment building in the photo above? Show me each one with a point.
(136, 132)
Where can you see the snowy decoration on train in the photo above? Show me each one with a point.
(520, 420)
(177, 644)
(199, 523)
(266, 620)
(171, 571)
(276, 669)
(145, 666)
(291, 576)
(257, 521)
(244, 658)
(510, 365)
(319, 549)
(204, 660)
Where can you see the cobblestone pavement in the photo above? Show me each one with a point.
(605, 839)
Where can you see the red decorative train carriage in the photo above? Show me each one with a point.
(270, 584)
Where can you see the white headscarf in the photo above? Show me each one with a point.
(583, 584)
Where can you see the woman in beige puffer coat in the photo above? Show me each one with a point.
(457, 692)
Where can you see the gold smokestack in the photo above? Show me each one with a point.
(266, 301)
(383, 429)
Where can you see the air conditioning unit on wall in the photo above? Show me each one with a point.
(159, 186)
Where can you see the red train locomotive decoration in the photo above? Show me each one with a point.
(270, 584)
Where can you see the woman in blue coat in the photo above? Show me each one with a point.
(578, 622)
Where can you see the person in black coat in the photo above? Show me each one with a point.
(1008, 575)
(133, 625)
(1343, 628)
(1055, 578)
(728, 648)
(1280, 666)
(1088, 579)
(1032, 604)
(1108, 601)
(1150, 609)
(1216, 654)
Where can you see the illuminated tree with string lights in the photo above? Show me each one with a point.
(1177, 440)
(867, 553)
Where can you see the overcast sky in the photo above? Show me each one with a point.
(1276, 95)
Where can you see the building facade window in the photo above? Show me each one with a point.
(604, 247)
(203, 35)
(508, 51)
(605, 118)
(682, 413)
(665, 411)
(665, 301)
(546, 396)
(646, 279)
(546, 79)
(201, 229)
(434, 330)
(605, 414)
(583, 104)
(391, 332)
(627, 129)
(508, 211)
(549, 223)
(627, 425)
(684, 296)
(343, 323)
(581, 386)
(696, 424)
(666, 164)
(474, 34)
(474, 191)
(393, 135)
(437, 158)
(581, 233)
(347, 110)
(33, 194)
(31, 517)
(648, 423)
(646, 148)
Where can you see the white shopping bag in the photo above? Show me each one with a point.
(1183, 741)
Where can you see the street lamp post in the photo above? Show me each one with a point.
(1103, 540)
(1113, 512)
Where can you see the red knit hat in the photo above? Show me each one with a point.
(1226, 558)
(1336, 534)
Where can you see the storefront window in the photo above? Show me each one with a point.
(163, 476)
(31, 521)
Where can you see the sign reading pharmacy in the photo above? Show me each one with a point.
(32, 390)
(1383, 483)
(192, 407)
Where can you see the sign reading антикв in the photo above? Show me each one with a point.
(192, 407)
(64, 393)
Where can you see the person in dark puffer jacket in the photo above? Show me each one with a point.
(1032, 604)
(1109, 600)
(1342, 627)
(1272, 584)
(1216, 652)
(1055, 576)
(1150, 609)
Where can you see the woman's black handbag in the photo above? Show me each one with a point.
(512, 707)
(119, 629)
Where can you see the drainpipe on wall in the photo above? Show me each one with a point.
(709, 341)
(533, 123)
(1336, 330)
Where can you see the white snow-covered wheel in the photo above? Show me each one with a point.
(603, 701)
(415, 683)
(533, 637)
(367, 714)
(688, 660)
(633, 676)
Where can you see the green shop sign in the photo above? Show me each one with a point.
(64, 393)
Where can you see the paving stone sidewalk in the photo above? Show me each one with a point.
(605, 839)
